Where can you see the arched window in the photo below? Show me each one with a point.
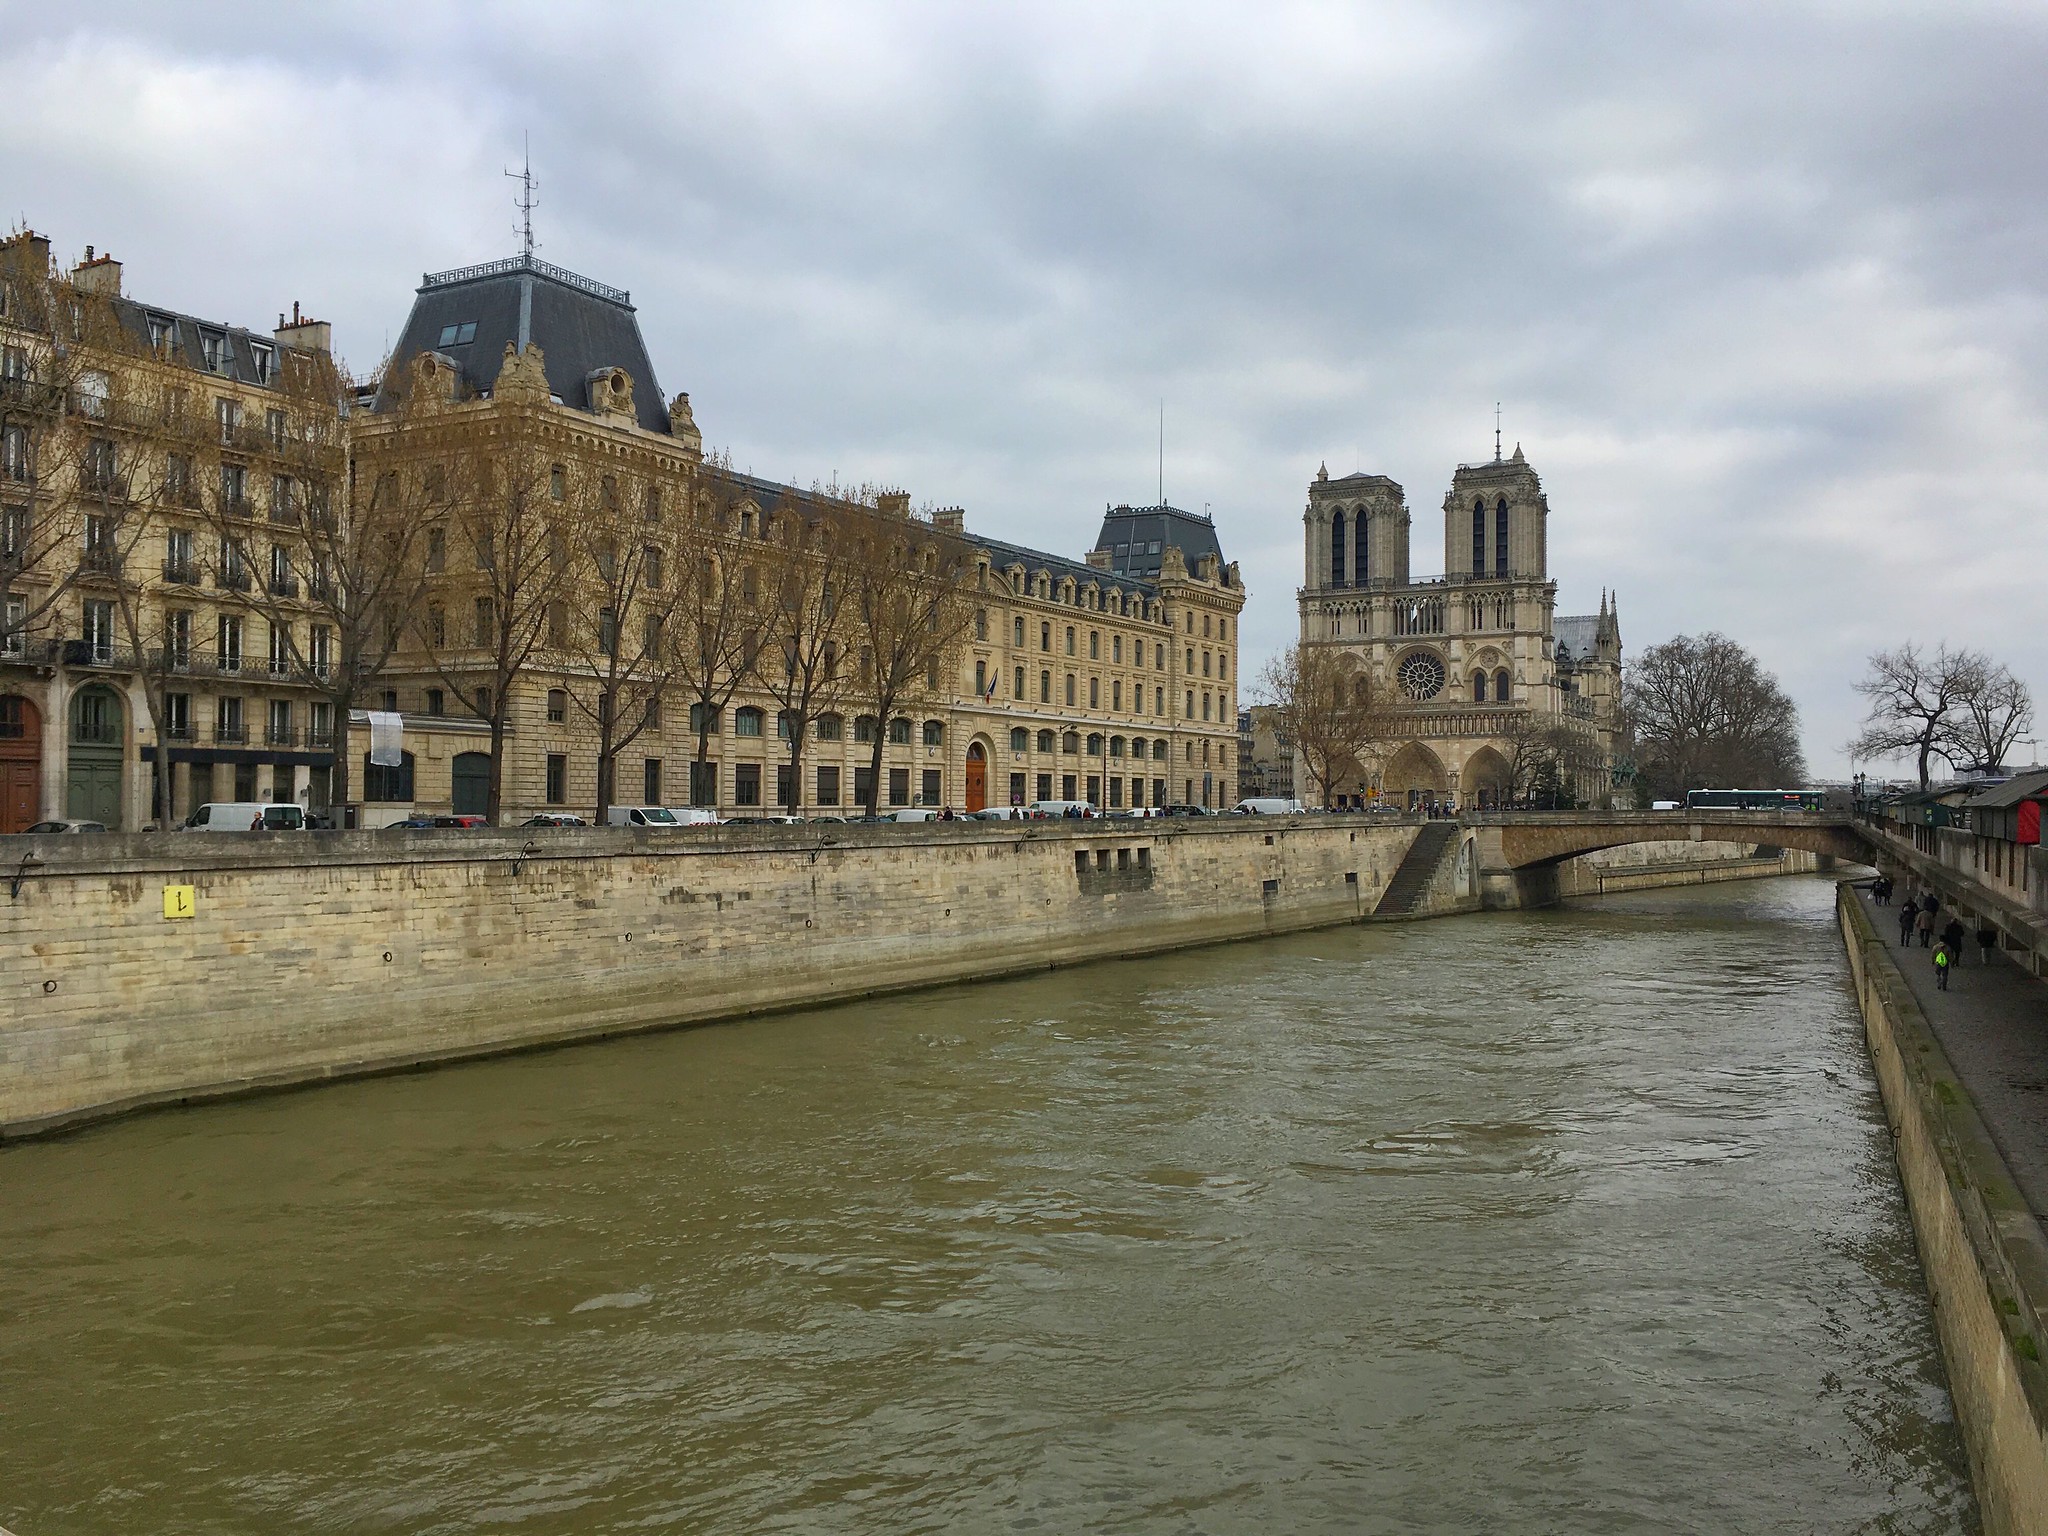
(831, 728)
(1337, 565)
(934, 733)
(1020, 739)
(899, 731)
(788, 724)
(1500, 538)
(1095, 744)
(1503, 686)
(1478, 537)
(1045, 741)
(1361, 568)
(1116, 746)
(1479, 687)
(1071, 742)
(1138, 746)
(865, 728)
(746, 721)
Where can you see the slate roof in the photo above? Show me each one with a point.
(249, 357)
(1136, 538)
(580, 326)
(1579, 635)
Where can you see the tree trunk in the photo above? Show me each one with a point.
(338, 776)
(495, 804)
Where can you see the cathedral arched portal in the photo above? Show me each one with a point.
(1486, 783)
(1415, 777)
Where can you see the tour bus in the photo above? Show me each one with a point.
(1753, 800)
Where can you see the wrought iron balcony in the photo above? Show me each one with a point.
(284, 586)
(230, 732)
(180, 730)
(100, 562)
(181, 573)
(233, 581)
(93, 653)
(280, 736)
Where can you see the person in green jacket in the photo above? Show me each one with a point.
(1941, 965)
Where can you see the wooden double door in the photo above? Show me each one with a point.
(21, 764)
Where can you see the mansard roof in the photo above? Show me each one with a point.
(580, 325)
(1137, 538)
(1578, 635)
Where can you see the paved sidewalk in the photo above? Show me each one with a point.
(1993, 1022)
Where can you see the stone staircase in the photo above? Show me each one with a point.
(1418, 867)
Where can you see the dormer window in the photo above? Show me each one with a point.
(163, 333)
(259, 360)
(457, 335)
(214, 350)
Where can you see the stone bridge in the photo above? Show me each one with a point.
(1518, 852)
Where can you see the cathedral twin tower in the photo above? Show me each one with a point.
(1478, 657)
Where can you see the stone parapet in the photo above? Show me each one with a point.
(1983, 1253)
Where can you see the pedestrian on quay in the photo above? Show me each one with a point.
(1987, 940)
(1908, 910)
(1882, 890)
(1953, 936)
(1931, 902)
(1925, 922)
(1941, 965)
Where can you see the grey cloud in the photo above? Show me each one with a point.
(1758, 285)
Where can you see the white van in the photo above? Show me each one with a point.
(1267, 805)
(245, 816)
(911, 813)
(639, 816)
(693, 816)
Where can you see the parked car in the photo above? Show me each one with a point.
(554, 819)
(1063, 808)
(1267, 805)
(1187, 810)
(423, 822)
(693, 816)
(639, 816)
(43, 828)
(1002, 813)
(245, 816)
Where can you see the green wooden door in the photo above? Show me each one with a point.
(92, 786)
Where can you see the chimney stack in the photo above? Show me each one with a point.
(97, 274)
(893, 503)
(950, 519)
(303, 333)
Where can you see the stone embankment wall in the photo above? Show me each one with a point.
(313, 956)
(1648, 866)
(1981, 1249)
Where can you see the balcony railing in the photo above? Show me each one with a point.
(103, 487)
(280, 667)
(231, 665)
(172, 658)
(181, 573)
(233, 581)
(284, 586)
(230, 732)
(92, 653)
(100, 562)
(320, 591)
(280, 736)
(180, 730)
(237, 506)
(288, 513)
(319, 736)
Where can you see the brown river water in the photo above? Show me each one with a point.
(1570, 1221)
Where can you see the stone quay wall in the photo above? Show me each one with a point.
(309, 956)
(1983, 1253)
(1650, 866)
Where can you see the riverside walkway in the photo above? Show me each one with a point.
(1993, 1023)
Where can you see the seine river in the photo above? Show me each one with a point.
(1577, 1221)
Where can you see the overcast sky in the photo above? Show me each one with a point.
(1759, 287)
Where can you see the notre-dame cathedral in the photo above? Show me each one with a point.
(1491, 684)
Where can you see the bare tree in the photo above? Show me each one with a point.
(1914, 703)
(1706, 715)
(495, 568)
(56, 344)
(1542, 756)
(617, 648)
(1339, 718)
(1994, 711)
(805, 567)
(908, 611)
(717, 626)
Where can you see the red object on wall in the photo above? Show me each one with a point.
(2029, 821)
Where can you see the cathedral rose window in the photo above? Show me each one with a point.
(1422, 675)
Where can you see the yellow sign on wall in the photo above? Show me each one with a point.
(178, 901)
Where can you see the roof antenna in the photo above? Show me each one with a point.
(1496, 431)
(527, 201)
(1162, 450)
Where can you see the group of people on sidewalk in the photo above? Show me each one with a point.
(1918, 913)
